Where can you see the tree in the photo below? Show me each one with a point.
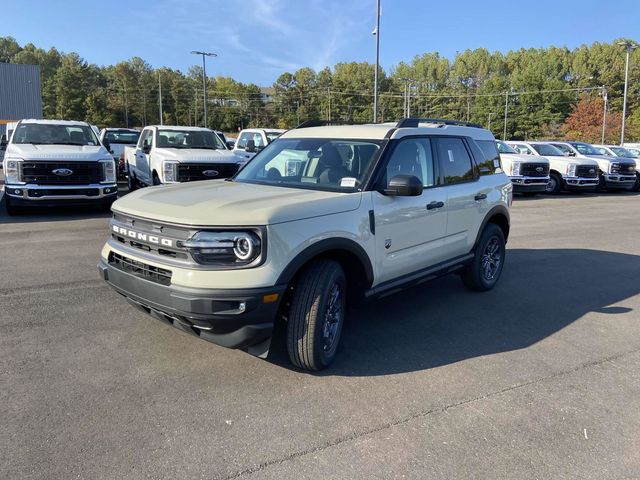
(585, 122)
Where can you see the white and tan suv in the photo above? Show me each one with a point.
(321, 219)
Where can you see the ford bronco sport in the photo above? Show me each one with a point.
(321, 219)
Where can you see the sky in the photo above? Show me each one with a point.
(257, 40)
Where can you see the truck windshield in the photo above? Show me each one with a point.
(201, 139)
(271, 136)
(504, 148)
(623, 152)
(125, 137)
(585, 149)
(51, 134)
(312, 163)
(547, 150)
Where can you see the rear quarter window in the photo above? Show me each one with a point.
(487, 156)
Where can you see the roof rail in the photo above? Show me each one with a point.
(327, 123)
(415, 122)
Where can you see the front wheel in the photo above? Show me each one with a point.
(484, 271)
(636, 186)
(9, 207)
(316, 315)
(132, 184)
(555, 184)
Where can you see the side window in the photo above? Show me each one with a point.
(242, 141)
(257, 139)
(454, 160)
(412, 156)
(562, 147)
(488, 159)
(145, 137)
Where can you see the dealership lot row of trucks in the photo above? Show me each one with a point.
(323, 219)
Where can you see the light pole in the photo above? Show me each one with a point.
(628, 47)
(204, 79)
(506, 113)
(376, 32)
(605, 97)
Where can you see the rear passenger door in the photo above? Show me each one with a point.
(409, 230)
(465, 195)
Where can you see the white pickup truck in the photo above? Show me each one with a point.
(252, 140)
(114, 140)
(178, 154)
(56, 162)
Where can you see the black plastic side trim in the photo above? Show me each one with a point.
(420, 276)
(498, 209)
(324, 246)
(372, 222)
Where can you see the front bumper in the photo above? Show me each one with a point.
(231, 318)
(529, 184)
(614, 180)
(580, 183)
(48, 195)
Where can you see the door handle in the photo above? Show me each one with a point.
(480, 196)
(434, 205)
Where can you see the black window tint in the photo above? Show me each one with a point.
(490, 160)
(412, 156)
(242, 141)
(455, 163)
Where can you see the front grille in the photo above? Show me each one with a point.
(139, 269)
(587, 171)
(41, 173)
(63, 192)
(189, 172)
(531, 170)
(624, 168)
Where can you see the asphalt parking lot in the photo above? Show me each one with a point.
(539, 378)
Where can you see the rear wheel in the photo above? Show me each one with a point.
(316, 315)
(484, 271)
(555, 184)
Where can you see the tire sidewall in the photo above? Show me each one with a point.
(491, 232)
(557, 184)
(325, 357)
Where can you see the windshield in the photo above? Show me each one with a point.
(313, 163)
(201, 139)
(504, 148)
(271, 136)
(623, 152)
(126, 137)
(585, 149)
(51, 134)
(547, 150)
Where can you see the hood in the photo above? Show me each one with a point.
(517, 157)
(196, 155)
(223, 203)
(27, 151)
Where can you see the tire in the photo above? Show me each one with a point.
(106, 206)
(636, 186)
(555, 184)
(156, 179)
(601, 187)
(9, 207)
(132, 183)
(484, 271)
(529, 194)
(316, 315)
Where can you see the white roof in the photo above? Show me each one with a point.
(276, 130)
(380, 131)
(55, 122)
(177, 127)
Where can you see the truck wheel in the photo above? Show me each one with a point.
(316, 315)
(555, 184)
(156, 179)
(10, 208)
(484, 272)
(601, 184)
(132, 183)
(636, 186)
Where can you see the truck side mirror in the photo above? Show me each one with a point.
(107, 145)
(250, 147)
(230, 144)
(146, 148)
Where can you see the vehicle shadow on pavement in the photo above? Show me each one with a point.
(439, 323)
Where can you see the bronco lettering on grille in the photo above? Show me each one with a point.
(143, 237)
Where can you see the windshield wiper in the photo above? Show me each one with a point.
(201, 147)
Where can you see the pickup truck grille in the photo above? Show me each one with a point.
(189, 172)
(139, 269)
(587, 171)
(531, 170)
(41, 173)
(624, 168)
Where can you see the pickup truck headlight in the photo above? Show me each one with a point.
(515, 169)
(13, 171)
(170, 171)
(571, 169)
(232, 248)
(614, 167)
(108, 171)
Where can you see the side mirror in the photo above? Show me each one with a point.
(572, 154)
(404, 186)
(231, 144)
(107, 145)
(251, 146)
(146, 148)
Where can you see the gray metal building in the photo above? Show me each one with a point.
(20, 93)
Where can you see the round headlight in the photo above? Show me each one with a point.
(243, 247)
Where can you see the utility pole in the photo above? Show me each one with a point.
(376, 32)
(468, 106)
(126, 107)
(298, 111)
(329, 113)
(628, 47)
(605, 97)
(160, 97)
(506, 112)
(204, 80)
(489, 121)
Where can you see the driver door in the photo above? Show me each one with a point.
(143, 159)
(410, 231)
